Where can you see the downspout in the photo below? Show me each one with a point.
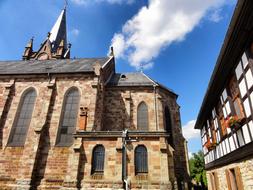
(155, 102)
(124, 159)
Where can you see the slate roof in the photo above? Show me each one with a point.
(134, 79)
(130, 79)
(50, 66)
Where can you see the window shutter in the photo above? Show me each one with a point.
(228, 180)
(216, 179)
(238, 178)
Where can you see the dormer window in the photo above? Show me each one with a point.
(123, 76)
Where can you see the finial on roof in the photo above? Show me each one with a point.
(48, 34)
(30, 43)
(112, 52)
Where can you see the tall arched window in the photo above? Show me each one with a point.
(98, 157)
(68, 118)
(142, 117)
(141, 159)
(22, 118)
(168, 124)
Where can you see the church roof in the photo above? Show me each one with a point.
(134, 79)
(50, 66)
(59, 31)
(130, 79)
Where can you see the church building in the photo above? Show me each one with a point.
(68, 123)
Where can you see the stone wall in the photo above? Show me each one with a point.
(158, 170)
(39, 158)
(246, 172)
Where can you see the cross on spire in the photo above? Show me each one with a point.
(66, 4)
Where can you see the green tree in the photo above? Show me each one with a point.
(197, 169)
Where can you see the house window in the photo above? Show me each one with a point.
(214, 181)
(234, 180)
(98, 157)
(68, 118)
(221, 121)
(235, 101)
(141, 160)
(142, 117)
(22, 119)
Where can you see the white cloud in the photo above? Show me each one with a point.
(158, 25)
(189, 132)
(85, 2)
(75, 32)
(216, 16)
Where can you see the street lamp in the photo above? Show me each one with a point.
(125, 139)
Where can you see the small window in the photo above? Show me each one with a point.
(141, 160)
(98, 157)
(68, 118)
(235, 100)
(123, 76)
(142, 117)
(22, 119)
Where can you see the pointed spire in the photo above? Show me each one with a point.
(30, 43)
(111, 52)
(59, 32)
(28, 50)
(55, 45)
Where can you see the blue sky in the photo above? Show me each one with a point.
(175, 42)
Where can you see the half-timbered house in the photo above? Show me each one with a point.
(225, 117)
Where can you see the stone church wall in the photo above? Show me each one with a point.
(46, 166)
(40, 158)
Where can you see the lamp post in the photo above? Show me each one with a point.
(125, 140)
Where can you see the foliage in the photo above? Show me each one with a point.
(197, 168)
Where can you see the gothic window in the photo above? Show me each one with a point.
(142, 117)
(168, 126)
(98, 157)
(68, 118)
(141, 160)
(22, 119)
